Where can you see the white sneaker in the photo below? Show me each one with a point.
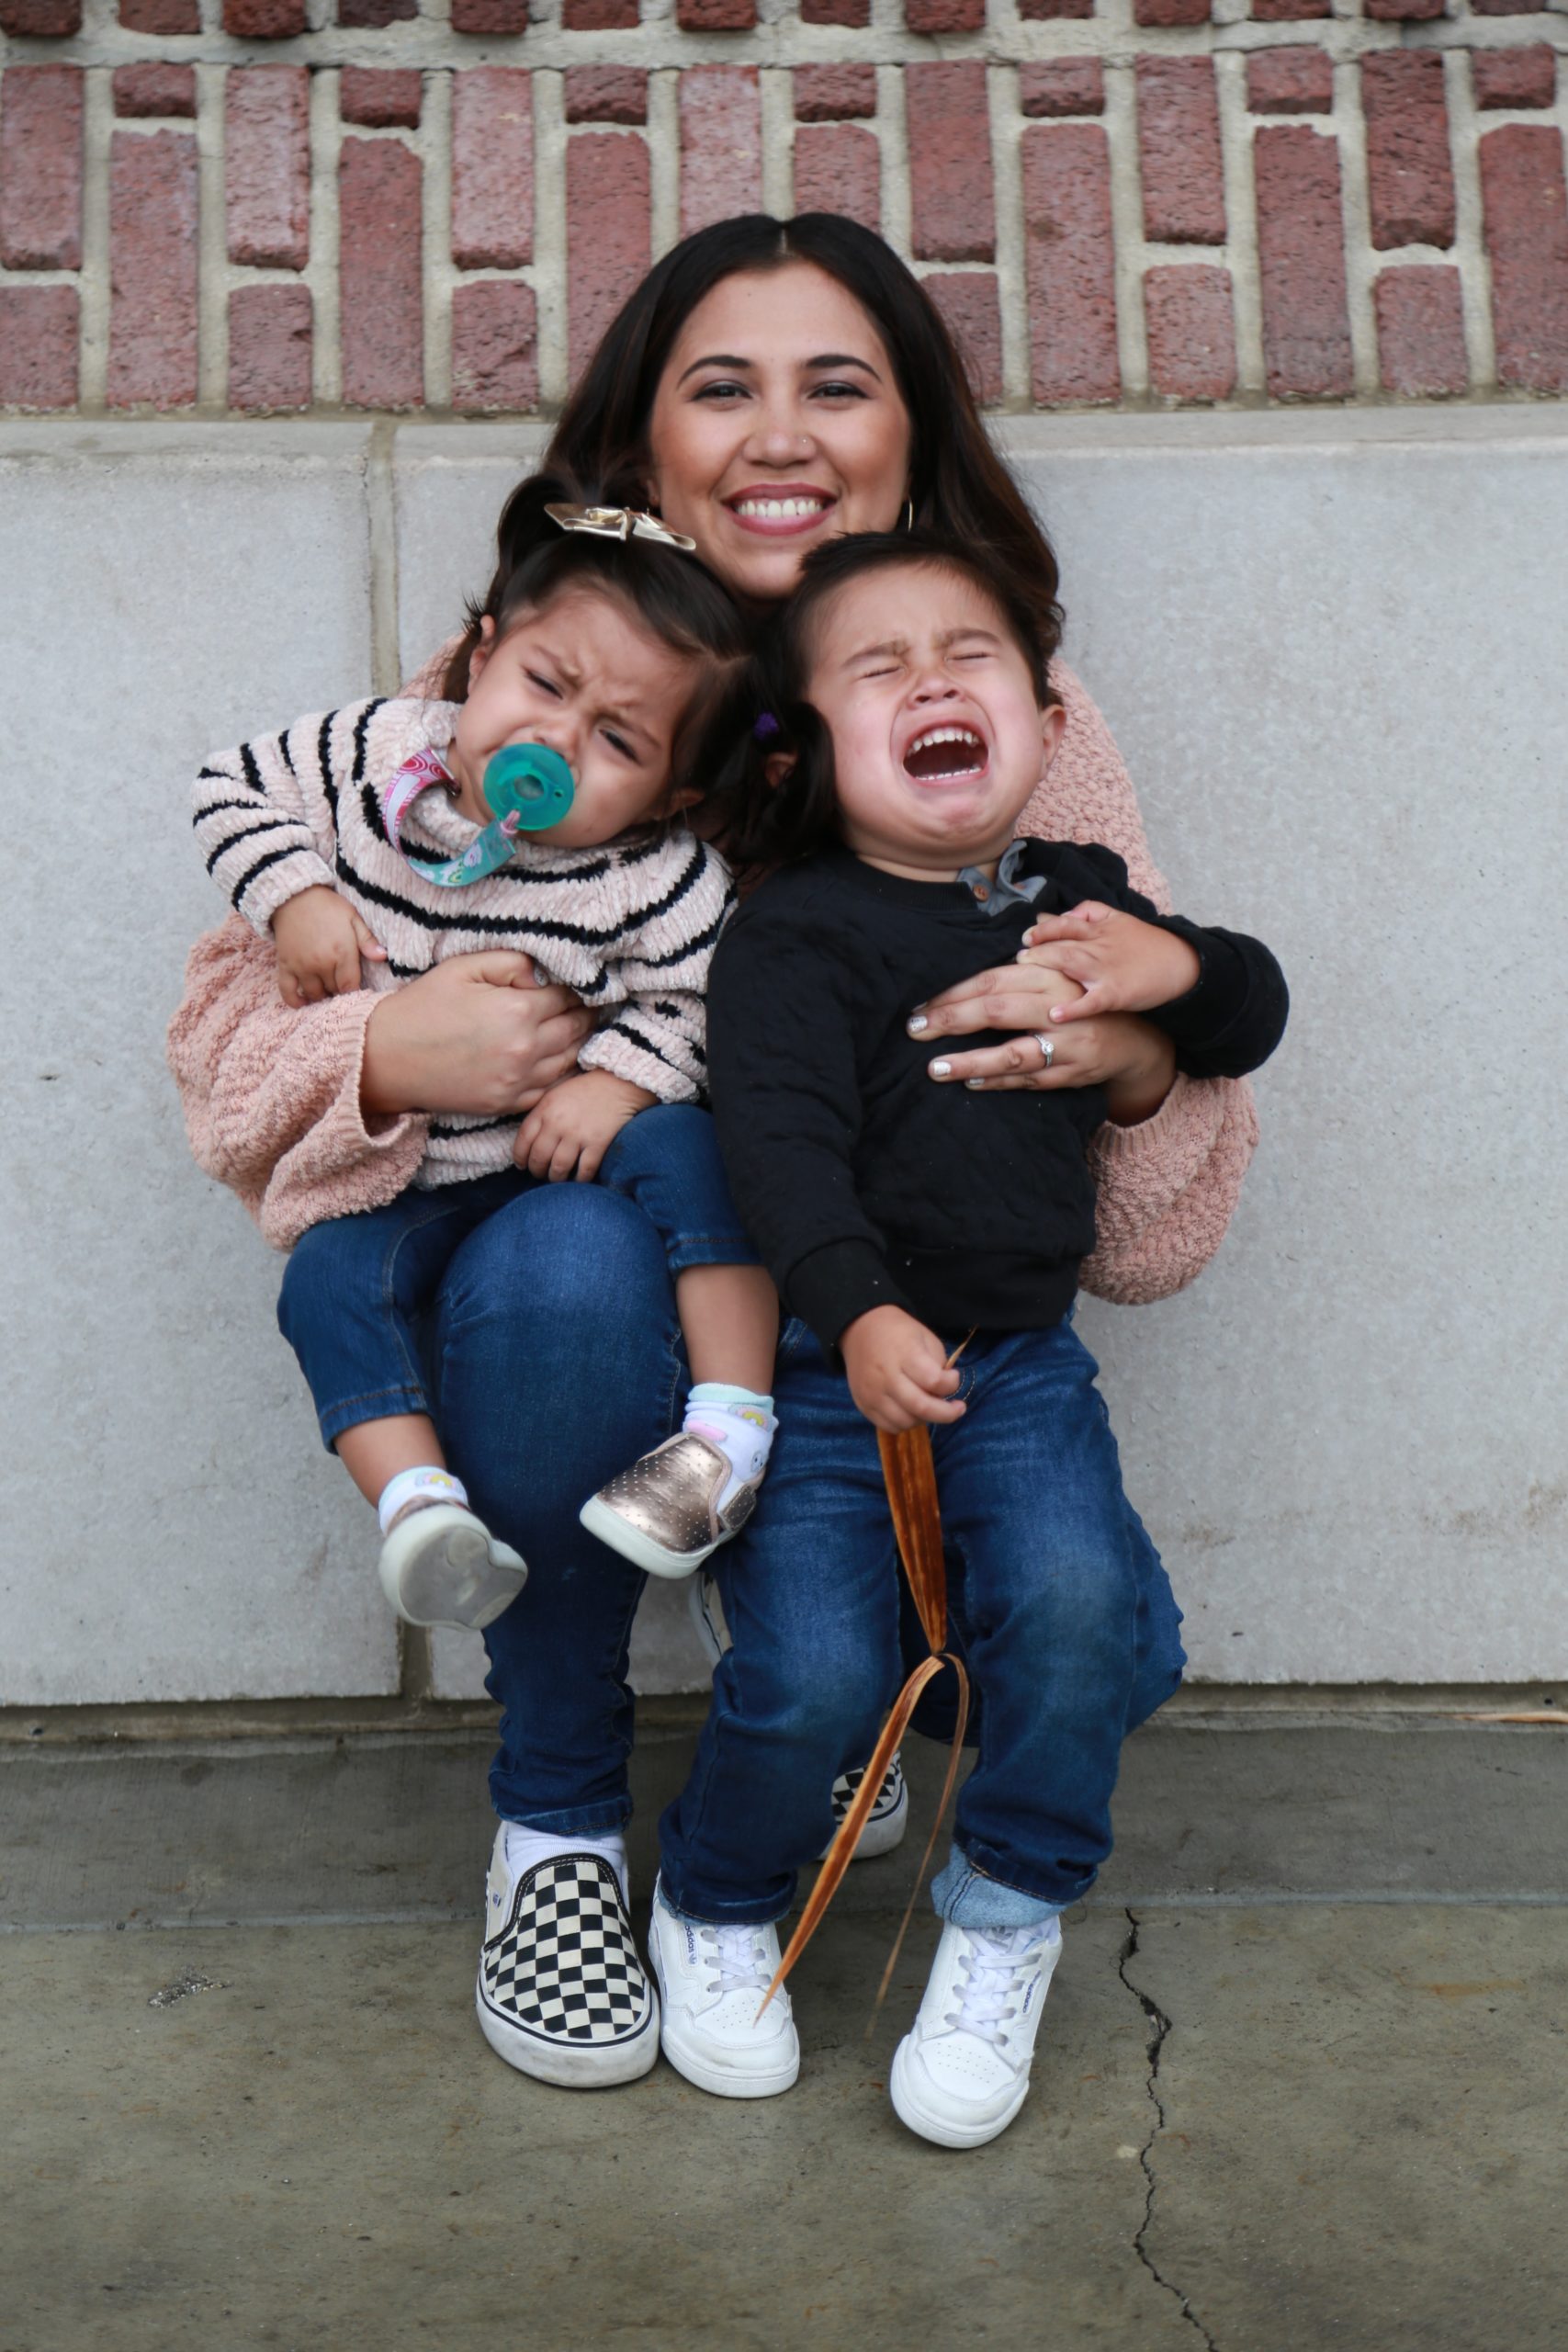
(561, 1994)
(711, 1982)
(440, 1566)
(963, 2074)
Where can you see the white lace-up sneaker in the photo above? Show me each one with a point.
(961, 2075)
(711, 1982)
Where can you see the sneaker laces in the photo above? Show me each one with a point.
(739, 1959)
(994, 1963)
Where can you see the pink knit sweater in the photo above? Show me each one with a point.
(271, 1106)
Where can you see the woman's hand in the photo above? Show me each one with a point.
(477, 1035)
(898, 1371)
(1132, 1060)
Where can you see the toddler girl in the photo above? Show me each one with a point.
(369, 834)
(908, 720)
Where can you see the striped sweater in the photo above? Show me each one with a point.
(631, 925)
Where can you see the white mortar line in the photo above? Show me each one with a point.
(1361, 263)
(432, 143)
(892, 128)
(775, 85)
(1012, 291)
(1121, 123)
(662, 131)
(1241, 223)
(549, 235)
(1465, 126)
(212, 245)
(321, 275)
(97, 128)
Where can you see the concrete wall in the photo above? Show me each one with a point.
(1331, 646)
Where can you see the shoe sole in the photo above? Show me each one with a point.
(633, 1545)
(719, 2080)
(939, 2129)
(454, 1581)
(882, 1833)
(570, 2069)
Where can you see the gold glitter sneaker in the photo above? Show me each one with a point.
(663, 1513)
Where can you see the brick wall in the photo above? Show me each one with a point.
(293, 205)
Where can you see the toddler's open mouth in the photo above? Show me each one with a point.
(944, 753)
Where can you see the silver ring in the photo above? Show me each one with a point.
(1047, 1046)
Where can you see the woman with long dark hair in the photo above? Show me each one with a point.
(768, 385)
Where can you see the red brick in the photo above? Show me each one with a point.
(41, 167)
(606, 94)
(598, 15)
(1066, 86)
(264, 19)
(1515, 77)
(1037, 9)
(378, 273)
(608, 233)
(1170, 12)
(1405, 12)
(1179, 151)
(1507, 8)
(374, 16)
(41, 21)
(490, 16)
(493, 167)
(37, 346)
(950, 163)
(152, 218)
(1300, 252)
(715, 16)
(165, 17)
(834, 12)
(971, 308)
(1288, 12)
(1410, 180)
(834, 93)
(1191, 329)
(154, 89)
(381, 98)
(1289, 81)
(494, 348)
(837, 168)
(1525, 212)
(944, 15)
(1420, 315)
(721, 145)
(266, 166)
(269, 348)
(1070, 264)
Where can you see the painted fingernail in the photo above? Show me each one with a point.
(917, 1022)
(973, 1084)
(942, 1069)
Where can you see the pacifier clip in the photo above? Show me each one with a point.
(527, 789)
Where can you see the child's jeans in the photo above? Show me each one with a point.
(1057, 1602)
(356, 1288)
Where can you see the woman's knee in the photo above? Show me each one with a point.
(566, 1253)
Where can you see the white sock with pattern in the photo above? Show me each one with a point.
(413, 1490)
(739, 1422)
(525, 1848)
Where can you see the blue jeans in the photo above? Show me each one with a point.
(1059, 1606)
(358, 1289)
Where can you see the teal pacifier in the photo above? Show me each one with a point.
(528, 788)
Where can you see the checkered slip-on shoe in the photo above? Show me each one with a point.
(561, 1992)
(888, 1818)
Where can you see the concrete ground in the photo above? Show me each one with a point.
(1303, 2080)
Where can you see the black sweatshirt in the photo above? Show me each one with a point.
(863, 1180)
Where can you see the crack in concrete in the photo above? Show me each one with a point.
(1159, 2027)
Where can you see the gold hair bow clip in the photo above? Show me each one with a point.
(620, 523)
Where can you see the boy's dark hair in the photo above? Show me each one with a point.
(764, 710)
(673, 595)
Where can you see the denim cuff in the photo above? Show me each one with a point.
(970, 1899)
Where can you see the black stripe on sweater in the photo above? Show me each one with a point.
(255, 833)
(677, 955)
(360, 727)
(216, 807)
(485, 926)
(253, 772)
(273, 857)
